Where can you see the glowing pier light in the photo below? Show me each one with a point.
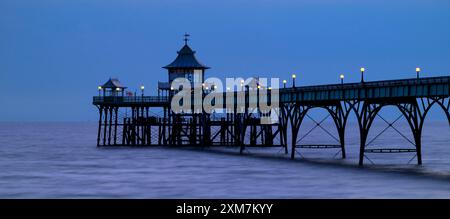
(142, 89)
(362, 74)
(293, 79)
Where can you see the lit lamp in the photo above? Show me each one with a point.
(342, 78)
(228, 88)
(417, 72)
(99, 90)
(242, 85)
(259, 86)
(270, 88)
(362, 75)
(293, 79)
(142, 89)
(284, 83)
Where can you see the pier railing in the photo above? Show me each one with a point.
(405, 88)
(131, 100)
(388, 89)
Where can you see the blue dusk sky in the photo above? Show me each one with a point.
(54, 53)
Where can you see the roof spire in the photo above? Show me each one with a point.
(186, 39)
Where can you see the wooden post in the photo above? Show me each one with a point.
(124, 130)
(105, 125)
(116, 111)
(99, 125)
(144, 124)
(110, 124)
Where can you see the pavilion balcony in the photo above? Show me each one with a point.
(131, 100)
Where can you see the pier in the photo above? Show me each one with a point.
(126, 119)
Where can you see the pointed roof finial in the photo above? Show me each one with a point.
(186, 38)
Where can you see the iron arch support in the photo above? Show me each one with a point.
(340, 112)
(444, 103)
(415, 115)
(365, 113)
(296, 114)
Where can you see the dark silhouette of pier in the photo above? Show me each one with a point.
(125, 119)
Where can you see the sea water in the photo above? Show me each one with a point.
(61, 160)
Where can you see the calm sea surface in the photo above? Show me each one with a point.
(60, 160)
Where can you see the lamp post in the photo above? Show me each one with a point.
(342, 78)
(99, 90)
(417, 72)
(362, 74)
(117, 91)
(293, 79)
(242, 85)
(142, 90)
(284, 83)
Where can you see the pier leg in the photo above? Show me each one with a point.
(100, 111)
(110, 124)
(149, 127)
(283, 123)
(160, 132)
(294, 142)
(143, 124)
(124, 130)
(137, 127)
(362, 146)
(164, 131)
(105, 125)
(133, 126)
(342, 141)
(116, 109)
(418, 140)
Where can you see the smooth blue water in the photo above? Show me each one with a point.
(60, 160)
